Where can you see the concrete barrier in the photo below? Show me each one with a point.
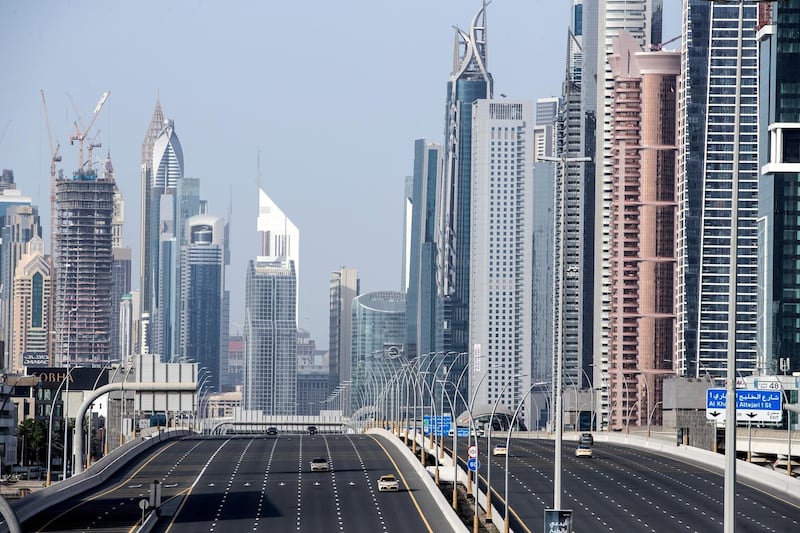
(759, 476)
(444, 473)
(41, 500)
(434, 491)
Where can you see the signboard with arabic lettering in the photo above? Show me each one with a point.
(752, 405)
(557, 521)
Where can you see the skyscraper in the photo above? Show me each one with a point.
(162, 168)
(779, 202)
(120, 265)
(643, 214)
(379, 328)
(344, 288)
(543, 239)
(202, 286)
(20, 224)
(270, 336)
(32, 309)
(82, 256)
(501, 254)
(147, 254)
(469, 81)
(692, 109)
(642, 20)
(280, 238)
(731, 117)
(422, 297)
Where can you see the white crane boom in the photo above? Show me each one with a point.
(80, 136)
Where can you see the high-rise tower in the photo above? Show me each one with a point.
(779, 202)
(270, 336)
(501, 254)
(202, 286)
(469, 81)
(82, 311)
(162, 168)
(344, 288)
(422, 298)
(717, 113)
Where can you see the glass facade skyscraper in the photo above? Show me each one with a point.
(469, 81)
(779, 194)
(202, 285)
(422, 299)
(270, 337)
(731, 151)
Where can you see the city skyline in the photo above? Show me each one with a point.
(228, 130)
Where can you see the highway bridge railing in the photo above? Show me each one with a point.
(39, 501)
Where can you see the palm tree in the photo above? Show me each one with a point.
(32, 434)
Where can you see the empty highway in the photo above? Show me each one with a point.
(624, 489)
(257, 484)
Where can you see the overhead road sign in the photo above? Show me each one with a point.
(752, 405)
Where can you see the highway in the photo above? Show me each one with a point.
(257, 484)
(624, 489)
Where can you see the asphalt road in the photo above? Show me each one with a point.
(257, 484)
(624, 489)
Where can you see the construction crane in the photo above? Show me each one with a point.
(659, 46)
(5, 129)
(80, 136)
(55, 157)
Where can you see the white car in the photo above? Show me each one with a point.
(319, 464)
(500, 449)
(388, 483)
(583, 450)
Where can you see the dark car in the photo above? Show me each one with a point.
(586, 438)
(312, 430)
(272, 431)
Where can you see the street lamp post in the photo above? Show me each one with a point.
(560, 325)
(50, 428)
(489, 447)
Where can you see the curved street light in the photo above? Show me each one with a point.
(489, 445)
(50, 428)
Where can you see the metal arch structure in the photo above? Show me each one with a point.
(77, 439)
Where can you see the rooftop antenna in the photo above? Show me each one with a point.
(258, 169)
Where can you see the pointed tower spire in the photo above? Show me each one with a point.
(156, 125)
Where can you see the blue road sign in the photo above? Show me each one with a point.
(463, 432)
(440, 425)
(473, 463)
(754, 405)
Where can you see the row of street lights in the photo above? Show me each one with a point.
(415, 380)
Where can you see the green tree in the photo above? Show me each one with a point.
(32, 435)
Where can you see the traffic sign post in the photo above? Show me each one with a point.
(439, 425)
(472, 451)
(473, 464)
(752, 405)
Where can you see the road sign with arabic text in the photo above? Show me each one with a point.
(752, 405)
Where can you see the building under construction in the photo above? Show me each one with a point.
(84, 206)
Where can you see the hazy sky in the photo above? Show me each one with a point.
(332, 93)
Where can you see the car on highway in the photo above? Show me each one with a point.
(312, 430)
(388, 483)
(583, 450)
(319, 464)
(272, 430)
(586, 438)
(500, 449)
